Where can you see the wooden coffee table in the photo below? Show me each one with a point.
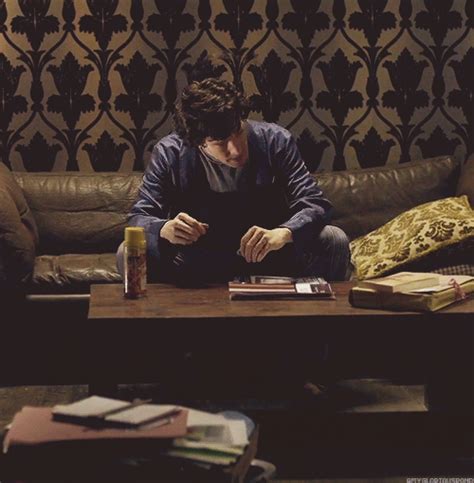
(170, 318)
(211, 303)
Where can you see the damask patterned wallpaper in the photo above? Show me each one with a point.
(90, 84)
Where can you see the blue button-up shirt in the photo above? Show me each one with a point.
(174, 182)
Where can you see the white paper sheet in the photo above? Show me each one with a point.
(90, 406)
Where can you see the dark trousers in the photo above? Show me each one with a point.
(329, 258)
(278, 360)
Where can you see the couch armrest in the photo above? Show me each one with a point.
(18, 233)
(17, 244)
(466, 181)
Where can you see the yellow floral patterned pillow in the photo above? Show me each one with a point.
(412, 235)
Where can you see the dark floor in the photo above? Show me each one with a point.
(366, 429)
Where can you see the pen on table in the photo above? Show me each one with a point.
(156, 422)
(151, 422)
(134, 403)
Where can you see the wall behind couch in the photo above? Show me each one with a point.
(89, 85)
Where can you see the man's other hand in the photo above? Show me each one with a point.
(258, 242)
(183, 230)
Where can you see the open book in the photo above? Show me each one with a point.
(102, 411)
(267, 286)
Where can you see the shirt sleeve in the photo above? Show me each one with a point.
(309, 210)
(151, 210)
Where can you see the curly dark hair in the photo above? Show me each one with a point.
(209, 108)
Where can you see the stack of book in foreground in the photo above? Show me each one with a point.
(171, 431)
(412, 291)
(275, 287)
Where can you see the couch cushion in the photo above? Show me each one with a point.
(72, 273)
(87, 212)
(367, 198)
(79, 212)
(18, 231)
(413, 235)
(463, 269)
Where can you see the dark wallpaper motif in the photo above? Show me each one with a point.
(90, 85)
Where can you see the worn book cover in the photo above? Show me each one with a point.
(450, 289)
(401, 282)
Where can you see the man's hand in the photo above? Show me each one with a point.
(183, 230)
(258, 242)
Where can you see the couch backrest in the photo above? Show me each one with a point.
(87, 212)
(367, 198)
(79, 212)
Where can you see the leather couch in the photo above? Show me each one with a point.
(59, 231)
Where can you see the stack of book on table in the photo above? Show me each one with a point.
(172, 431)
(412, 291)
(275, 287)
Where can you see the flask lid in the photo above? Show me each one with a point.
(134, 236)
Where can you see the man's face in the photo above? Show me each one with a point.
(232, 151)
